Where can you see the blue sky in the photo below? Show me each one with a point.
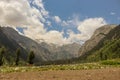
(65, 9)
(85, 8)
(59, 21)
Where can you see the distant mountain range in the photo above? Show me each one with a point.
(105, 43)
(12, 40)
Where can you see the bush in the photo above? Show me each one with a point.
(111, 62)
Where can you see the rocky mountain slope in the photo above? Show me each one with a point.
(105, 34)
(11, 46)
(98, 35)
(62, 52)
(27, 43)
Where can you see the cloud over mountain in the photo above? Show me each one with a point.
(31, 16)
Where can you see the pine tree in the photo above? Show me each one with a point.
(17, 56)
(31, 56)
(101, 56)
(106, 57)
(2, 52)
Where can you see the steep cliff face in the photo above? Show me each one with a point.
(101, 35)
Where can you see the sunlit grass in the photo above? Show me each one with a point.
(111, 62)
(84, 66)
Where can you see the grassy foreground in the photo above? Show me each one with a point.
(82, 66)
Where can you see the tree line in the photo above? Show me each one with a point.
(30, 56)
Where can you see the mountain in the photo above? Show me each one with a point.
(11, 46)
(43, 51)
(110, 50)
(103, 40)
(62, 52)
(26, 43)
(105, 43)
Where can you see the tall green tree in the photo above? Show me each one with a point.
(31, 56)
(101, 56)
(17, 56)
(2, 52)
(106, 57)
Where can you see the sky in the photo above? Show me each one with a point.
(58, 21)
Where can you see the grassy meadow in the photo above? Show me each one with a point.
(115, 63)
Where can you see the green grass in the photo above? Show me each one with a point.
(111, 62)
(83, 66)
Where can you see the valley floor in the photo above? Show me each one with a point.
(93, 74)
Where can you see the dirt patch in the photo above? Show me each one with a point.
(96, 74)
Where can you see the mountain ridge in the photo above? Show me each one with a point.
(97, 41)
(98, 35)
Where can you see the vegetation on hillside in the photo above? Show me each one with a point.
(110, 50)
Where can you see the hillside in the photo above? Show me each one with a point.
(110, 50)
(10, 47)
(104, 44)
(26, 43)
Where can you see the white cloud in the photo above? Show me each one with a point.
(112, 13)
(55, 37)
(73, 37)
(40, 5)
(74, 21)
(20, 13)
(88, 26)
(48, 23)
(57, 19)
(85, 27)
